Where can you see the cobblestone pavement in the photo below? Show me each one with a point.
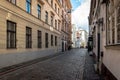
(67, 66)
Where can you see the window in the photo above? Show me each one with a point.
(55, 24)
(28, 6)
(112, 27)
(62, 25)
(58, 11)
(118, 25)
(65, 27)
(62, 13)
(55, 40)
(62, 2)
(28, 37)
(12, 1)
(52, 21)
(51, 40)
(58, 25)
(39, 11)
(39, 39)
(59, 1)
(113, 30)
(94, 36)
(108, 25)
(11, 34)
(46, 17)
(52, 3)
(108, 32)
(55, 7)
(46, 40)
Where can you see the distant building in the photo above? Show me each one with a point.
(82, 38)
(79, 37)
(73, 35)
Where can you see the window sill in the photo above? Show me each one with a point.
(11, 48)
(28, 48)
(114, 46)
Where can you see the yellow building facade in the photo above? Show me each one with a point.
(30, 29)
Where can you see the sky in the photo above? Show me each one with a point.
(80, 13)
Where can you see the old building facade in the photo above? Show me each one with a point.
(73, 35)
(32, 29)
(66, 21)
(104, 29)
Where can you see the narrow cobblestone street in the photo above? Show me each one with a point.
(67, 66)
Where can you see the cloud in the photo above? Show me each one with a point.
(80, 15)
(80, 0)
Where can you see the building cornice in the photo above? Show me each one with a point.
(69, 5)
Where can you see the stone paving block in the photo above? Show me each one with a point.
(67, 66)
(72, 65)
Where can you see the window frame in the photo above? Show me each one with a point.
(51, 3)
(52, 18)
(55, 7)
(55, 24)
(46, 40)
(46, 17)
(118, 25)
(39, 11)
(58, 11)
(39, 38)
(51, 40)
(28, 3)
(113, 29)
(59, 25)
(11, 32)
(28, 37)
(55, 40)
(108, 25)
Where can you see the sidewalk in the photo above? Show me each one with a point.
(89, 70)
(24, 64)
